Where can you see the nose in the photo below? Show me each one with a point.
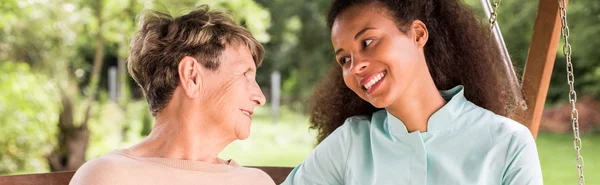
(358, 64)
(256, 95)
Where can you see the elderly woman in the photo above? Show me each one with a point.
(198, 74)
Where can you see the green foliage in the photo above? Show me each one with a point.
(299, 49)
(286, 143)
(245, 12)
(516, 20)
(584, 27)
(112, 126)
(27, 117)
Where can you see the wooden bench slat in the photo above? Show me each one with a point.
(53, 178)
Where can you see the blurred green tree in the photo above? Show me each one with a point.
(27, 118)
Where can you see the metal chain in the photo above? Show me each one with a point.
(572, 94)
(494, 13)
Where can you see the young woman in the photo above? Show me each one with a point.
(417, 97)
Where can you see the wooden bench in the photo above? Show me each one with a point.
(62, 178)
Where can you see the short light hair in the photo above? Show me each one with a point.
(162, 41)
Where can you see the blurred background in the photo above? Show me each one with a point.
(66, 97)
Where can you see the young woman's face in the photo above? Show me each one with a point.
(379, 62)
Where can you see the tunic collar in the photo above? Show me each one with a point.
(442, 118)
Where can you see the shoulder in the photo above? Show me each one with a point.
(507, 127)
(498, 125)
(354, 132)
(502, 130)
(354, 128)
(355, 124)
(109, 161)
(103, 170)
(255, 175)
(360, 124)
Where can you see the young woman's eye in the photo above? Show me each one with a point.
(366, 42)
(344, 60)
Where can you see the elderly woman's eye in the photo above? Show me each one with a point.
(366, 42)
(249, 74)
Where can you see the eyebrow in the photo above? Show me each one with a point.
(355, 37)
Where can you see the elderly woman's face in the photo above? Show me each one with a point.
(232, 92)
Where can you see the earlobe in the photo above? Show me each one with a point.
(191, 90)
(197, 80)
(189, 76)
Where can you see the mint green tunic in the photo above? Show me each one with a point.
(464, 145)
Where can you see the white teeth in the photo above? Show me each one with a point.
(374, 80)
(246, 113)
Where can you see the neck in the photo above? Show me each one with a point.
(417, 103)
(181, 134)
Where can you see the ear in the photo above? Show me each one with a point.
(189, 76)
(419, 30)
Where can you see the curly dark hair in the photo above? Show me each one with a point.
(459, 51)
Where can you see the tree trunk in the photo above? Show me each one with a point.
(73, 140)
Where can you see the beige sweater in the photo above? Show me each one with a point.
(120, 167)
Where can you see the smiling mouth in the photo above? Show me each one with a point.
(374, 80)
(247, 113)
